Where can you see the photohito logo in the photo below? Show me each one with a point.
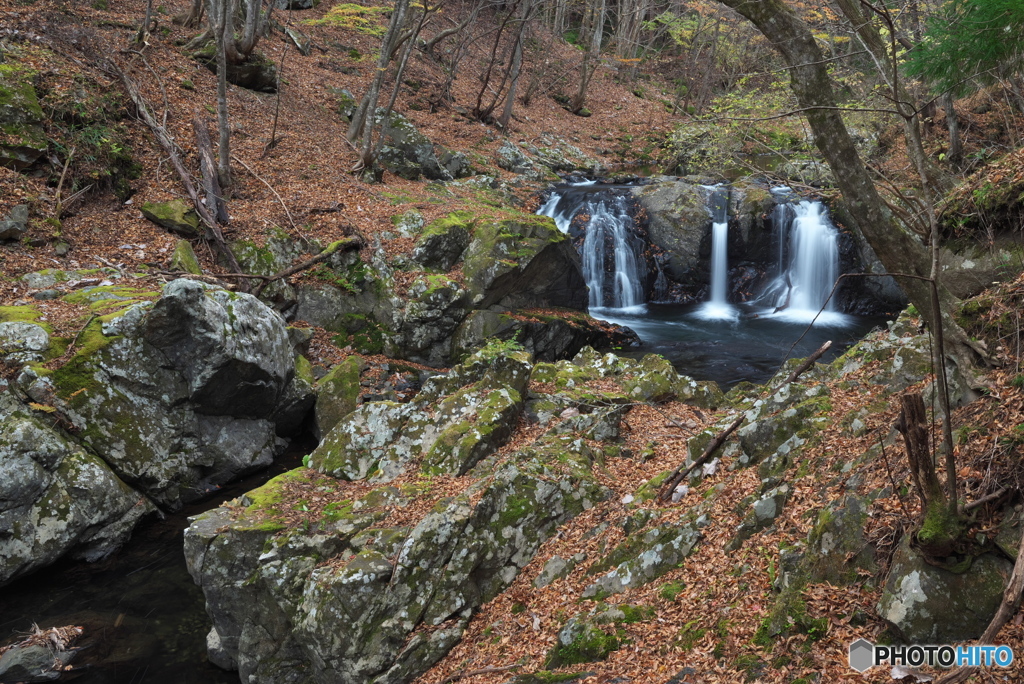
(864, 655)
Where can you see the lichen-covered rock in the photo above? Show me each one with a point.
(184, 259)
(408, 153)
(678, 220)
(177, 395)
(926, 604)
(784, 422)
(442, 243)
(580, 642)
(643, 558)
(427, 320)
(176, 216)
(511, 158)
(55, 497)
(338, 393)
(522, 263)
(762, 513)
(283, 614)
(836, 546)
(22, 342)
(379, 439)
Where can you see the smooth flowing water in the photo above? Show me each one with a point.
(611, 253)
(719, 340)
(717, 308)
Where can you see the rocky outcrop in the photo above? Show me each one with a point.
(14, 224)
(478, 275)
(56, 498)
(159, 398)
(408, 153)
(926, 604)
(277, 596)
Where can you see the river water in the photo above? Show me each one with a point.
(144, 620)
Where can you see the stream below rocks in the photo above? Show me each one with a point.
(144, 619)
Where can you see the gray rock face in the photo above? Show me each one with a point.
(55, 497)
(442, 247)
(926, 604)
(15, 224)
(232, 351)
(22, 342)
(343, 601)
(178, 395)
(483, 400)
(410, 154)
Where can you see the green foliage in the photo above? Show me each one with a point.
(355, 17)
(970, 43)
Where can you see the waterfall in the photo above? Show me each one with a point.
(717, 306)
(808, 263)
(612, 255)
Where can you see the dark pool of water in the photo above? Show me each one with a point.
(144, 620)
(751, 345)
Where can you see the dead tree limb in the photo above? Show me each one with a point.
(175, 155)
(211, 184)
(808, 362)
(345, 245)
(269, 187)
(679, 474)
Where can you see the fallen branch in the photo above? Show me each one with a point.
(1007, 609)
(994, 496)
(679, 474)
(269, 187)
(345, 245)
(175, 155)
(808, 362)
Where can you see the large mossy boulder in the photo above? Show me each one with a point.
(521, 263)
(176, 216)
(927, 604)
(178, 395)
(56, 498)
(22, 138)
(481, 402)
(341, 598)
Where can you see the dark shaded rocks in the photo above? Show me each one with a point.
(14, 224)
(56, 498)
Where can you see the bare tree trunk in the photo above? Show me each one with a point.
(592, 57)
(211, 184)
(223, 128)
(363, 117)
(898, 250)
(956, 150)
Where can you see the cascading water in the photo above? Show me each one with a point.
(717, 307)
(715, 339)
(613, 265)
(808, 264)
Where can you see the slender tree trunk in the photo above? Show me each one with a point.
(809, 80)
(223, 127)
(956, 150)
